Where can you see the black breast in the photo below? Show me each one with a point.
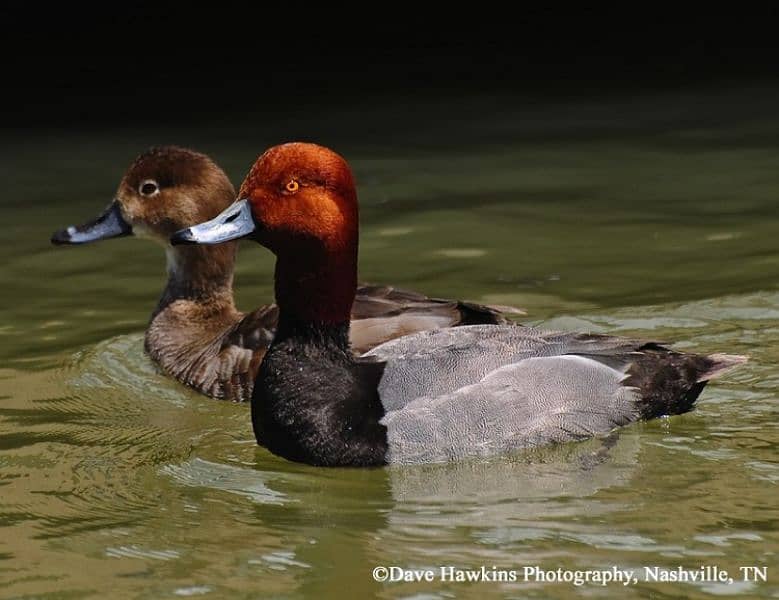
(314, 403)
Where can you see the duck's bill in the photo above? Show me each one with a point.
(233, 223)
(110, 224)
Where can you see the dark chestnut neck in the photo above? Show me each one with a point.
(202, 274)
(317, 291)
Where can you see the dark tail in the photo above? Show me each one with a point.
(670, 382)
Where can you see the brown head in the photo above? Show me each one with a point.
(164, 189)
(168, 187)
(299, 201)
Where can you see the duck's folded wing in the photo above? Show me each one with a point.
(233, 370)
(255, 330)
(382, 313)
(435, 363)
(534, 402)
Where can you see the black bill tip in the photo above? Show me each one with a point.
(183, 237)
(63, 236)
(110, 224)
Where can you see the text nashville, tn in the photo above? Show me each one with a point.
(536, 574)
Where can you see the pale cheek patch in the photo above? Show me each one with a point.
(144, 232)
(171, 256)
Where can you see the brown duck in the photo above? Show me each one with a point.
(196, 334)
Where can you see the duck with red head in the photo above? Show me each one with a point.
(306, 205)
(430, 396)
(196, 334)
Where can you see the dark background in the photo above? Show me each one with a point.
(70, 68)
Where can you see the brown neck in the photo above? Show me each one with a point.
(318, 291)
(202, 274)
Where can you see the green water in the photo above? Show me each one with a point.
(651, 216)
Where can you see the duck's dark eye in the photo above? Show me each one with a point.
(292, 186)
(149, 187)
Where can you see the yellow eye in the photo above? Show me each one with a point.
(292, 186)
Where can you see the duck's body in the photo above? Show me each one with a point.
(431, 396)
(196, 334)
(466, 392)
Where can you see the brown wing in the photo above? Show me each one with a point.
(255, 330)
(383, 313)
(242, 352)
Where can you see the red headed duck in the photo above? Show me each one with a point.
(196, 334)
(431, 396)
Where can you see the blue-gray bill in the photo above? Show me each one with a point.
(110, 224)
(234, 222)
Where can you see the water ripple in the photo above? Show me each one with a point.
(244, 482)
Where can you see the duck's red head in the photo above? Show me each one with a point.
(303, 201)
(299, 201)
(304, 206)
